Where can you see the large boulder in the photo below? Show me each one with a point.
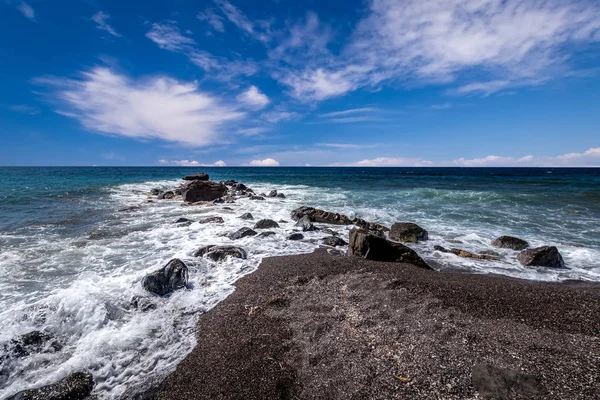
(296, 236)
(242, 233)
(545, 256)
(316, 215)
(74, 387)
(218, 253)
(510, 242)
(334, 241)
(202, 191)
(306, 224)
(371, 247)
(200, 176)
(408, 232)
(169, 278)
(266, 224)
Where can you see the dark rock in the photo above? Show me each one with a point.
(266, 224)
(262, 195)
(74, 387)
(510, 242)
(228, 208)
(246, 216)
(408, 232)
(211, 220)
(272, 193)
(371, 247)
(142, 303)
(220, 200)
(171, 277)
(468, 254)
(131, 208)
(316, 215)
(242, 233)
(257, 198)
(218, 253)
(155, 192)
(492, 382)
(281, 195)
(329, 232)
(183, 220)
(305, 224)
(490, 253)
(166, 195)
(334, 241)
(441, 248)
(240, 186)
(545, 256)
(32, 342)
(203, 191)
(200, 176)
(282, 221)
(296, 236)
(266, 234)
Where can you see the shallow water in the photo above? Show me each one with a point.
(71, 262)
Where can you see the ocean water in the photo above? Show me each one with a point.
(71, 262)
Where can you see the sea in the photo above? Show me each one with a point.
(75, 243)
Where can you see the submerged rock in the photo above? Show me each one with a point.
(334, 241)
(246, 216)
(242, 233)
(202, 191)
(272, 193)
(296, 236)
(212, 220)
(218, 253)
(305, 224)
(266, 224)
(365, 245)
(280, 196)
(155, 192)
(200, 176)
(468, 254)
(408, 232)
(30, 343)
(168, 195)
(183, 221)
(257, 197)
(267, 234)
(545, 256)
(510, 242)
(74, 387)
(169, 278)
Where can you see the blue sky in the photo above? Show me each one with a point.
(368, 83)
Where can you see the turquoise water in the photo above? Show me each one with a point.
(72, 262)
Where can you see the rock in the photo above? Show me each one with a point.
(545, 256)
(229, 182)
(408, 232)
(371, 247)
(218, 253)
(305, 224)
(272, 193)
(74, 387)
(142, 303)
(240, 187)
(441, 248)
(171, 277)
(211, 220)
(155, 192)
(510, 242)
(228, 208)
(183, 220)
(246, 216)
(495, 383)
(130, 208)
(334, 241)
(490, 253)
(316, 215)
(266, 234)
(282, 221)
(281, 195)
(242, 233)
(330, 232)
(296, 236)
(202, 191)
(266, 224)
(168, 195)
(468, 254)
(220, 200)
(200, 176)
(257, 198)
(32, 342)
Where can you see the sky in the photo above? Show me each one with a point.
(296, 83)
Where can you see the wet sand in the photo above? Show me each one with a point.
(322, 326)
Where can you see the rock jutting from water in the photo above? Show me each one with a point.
(242, 233)
(219, 253)
(408, 232)
(266, 224)
(510, 242)
(169, 278)
(326, 217)
(200, 176)
(545, 256)
(196, 191)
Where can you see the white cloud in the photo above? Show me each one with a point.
(267, 162)
(258, 30)
(346, 145)
(27, 11)
(254, 98)
(493, 161)
(589, 158)
(100, 19)
(155, 108)
(252, 131)
(163, 161)
(351, 111)
(167, 36)
(216, 21)
(278, 116)
(193, 163)
(393, 162)
(220, 163)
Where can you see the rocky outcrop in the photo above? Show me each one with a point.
(334, 241)
(510, 242)
(218, 253)
(296, 236)
(321, 216)
(305, 224)
(169, 278)
(408, 232)
(200, 176)
(211, 220)
(74, 387)
(365, 245)
(545, 256)
(266, 224)
(492, 382)
(242, 233)
(202, 191)
(246, 216)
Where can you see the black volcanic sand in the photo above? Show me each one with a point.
(321, 326)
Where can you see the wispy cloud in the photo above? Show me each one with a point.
(278, 116)
(168, 36)
(389, 162)
(267, 162)
(192, 163)
(258, 30)
(347, 145)
(100, 19)
(351, 111)
(252, 131)
(588, 158)
(215, 20)
(155, 108)
(24, 108)
(254, 98)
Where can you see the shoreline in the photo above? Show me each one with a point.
(328, 326)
